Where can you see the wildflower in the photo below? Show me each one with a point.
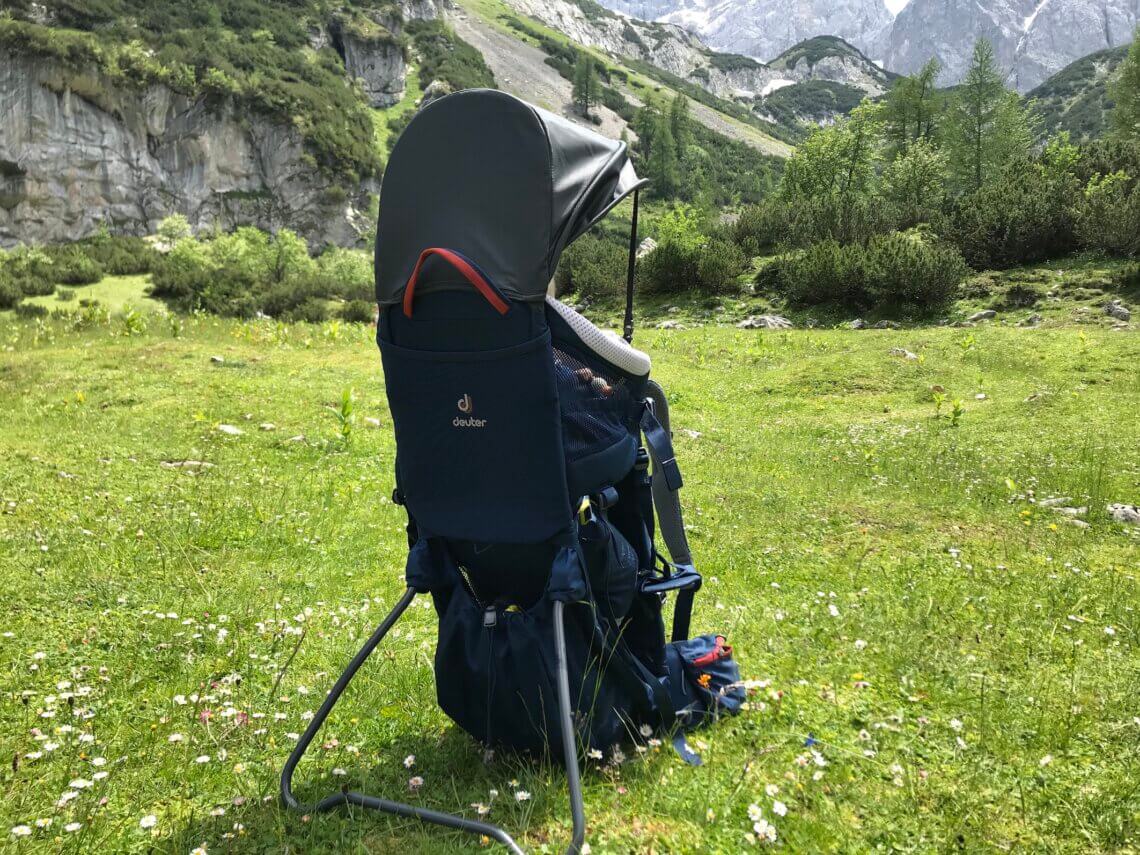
(646, 731)
(1046, 760)
(339, 772)
(98, 761)
(955, 724)
(21, 830)
(481, 808)
(618, 756)
(765, 831)
(1108, 630)
(72, 827)
(710, 815)
(832, 610)
(594, 754)
(174, 737)
(80, 784)
(772, 791)
(43, 822)
(779, 808)
(218, 811)
(180, 700)
(409, 761)
(415, 782)
(202, 758)
(522, 796)
(198, 850)
(754, 812)
(860, 644)
(148, 821)
(66, 797)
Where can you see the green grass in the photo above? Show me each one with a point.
(112, 292)
(941, 637)
(381, 118)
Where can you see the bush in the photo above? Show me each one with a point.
(719, 265)
(1110, 215)
(1027, 217)
(895, 272)
(120, 256)
(348, 274)
(10, 291)
(65, 295)
(593, 267)
(686, 258)
(358, 311)
(311, 310)
(31, 310)
(759, 227)
(72, 266)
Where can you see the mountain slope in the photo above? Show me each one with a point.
(1076, 98)
(1032, 38)
(764, 28)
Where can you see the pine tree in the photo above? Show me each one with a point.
(663, 159)
(586, 90)
(1126, 94)
(644, 124)
(679, 122)
(914, 107)
(987, 125)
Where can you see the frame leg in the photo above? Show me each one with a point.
(347, 797)
(569, 738)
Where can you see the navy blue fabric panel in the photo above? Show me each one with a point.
(478, 437)
(567, 576)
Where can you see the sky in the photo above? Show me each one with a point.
(896, 5)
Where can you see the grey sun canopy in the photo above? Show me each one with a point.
(505, 184)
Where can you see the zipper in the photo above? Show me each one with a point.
(470, 586)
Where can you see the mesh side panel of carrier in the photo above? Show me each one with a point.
(595, 404)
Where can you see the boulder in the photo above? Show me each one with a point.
(858, 324)
(984, 315)
(1124, 513)
(1116, 309)
(903, 352)
(887, 325)
(645, 247)
(765, 322)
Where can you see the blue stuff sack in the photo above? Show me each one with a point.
(704, 680)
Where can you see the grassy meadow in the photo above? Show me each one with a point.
(196, 534)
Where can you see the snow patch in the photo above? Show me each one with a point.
(772, 85)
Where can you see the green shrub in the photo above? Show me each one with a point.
(31, 310)
(72, 266)
(311, 310)
(358, 311)
(1028, 216)
(119, 255)
(759, 227)
(688, 259)
(894, 272)
(65, 295)
(348, 274)
(593, 267)
(10, 291)
(1110, 215)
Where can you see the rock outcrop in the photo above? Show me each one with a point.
(1033, 39)
(78, 151)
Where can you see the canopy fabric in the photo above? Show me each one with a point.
(506, 184)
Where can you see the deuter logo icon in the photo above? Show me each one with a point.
(466, 405)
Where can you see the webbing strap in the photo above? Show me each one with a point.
(465, 266)
(658, 440)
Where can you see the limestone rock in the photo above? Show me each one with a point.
(765, 322)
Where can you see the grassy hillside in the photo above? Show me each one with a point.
(1075, 99)
(947, 663)
(812, 51)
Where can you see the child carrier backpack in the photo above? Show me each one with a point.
(534, 457)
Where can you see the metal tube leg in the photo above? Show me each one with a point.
(569, 739)
(348, 797)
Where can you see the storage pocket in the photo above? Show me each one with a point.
(611, 565)
(479, 453)
(495, 673)
(704, 679)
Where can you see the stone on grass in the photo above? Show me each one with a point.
(267, 426)
(1032, 321)
(1116, 309)
(645, 247)
(984, 315)
(887, 325)
(230, 430)
(670, 325)
(192, 465)
(765, 322)
(1071, 512)
(1124, 513)
(217, 359)
(372, 421)
(1055, 501)
(858, 324)
(903, 352)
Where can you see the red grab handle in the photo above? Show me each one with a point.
(470, 272)
(719, 651)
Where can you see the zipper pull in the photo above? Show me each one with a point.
(490, 617)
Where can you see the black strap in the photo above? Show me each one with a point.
(630, 271)
(683, 614)
(657, 438)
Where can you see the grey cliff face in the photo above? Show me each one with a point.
(765, 28)
(77, 152)
(1033, 39)
(379, 66)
